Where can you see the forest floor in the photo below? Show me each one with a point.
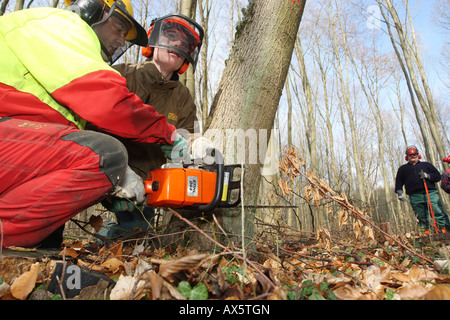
(360, 261)
(315, 267)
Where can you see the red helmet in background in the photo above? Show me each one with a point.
(412, 150)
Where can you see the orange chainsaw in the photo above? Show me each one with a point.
(200, 188)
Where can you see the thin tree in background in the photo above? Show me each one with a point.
(3, 7)
(310, 107)
(204, 7)
(410, 60)
(188, 9)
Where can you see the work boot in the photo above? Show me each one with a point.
(127, 223)
(54, 240)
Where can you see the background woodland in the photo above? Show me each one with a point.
(343, 87)
(363, 83)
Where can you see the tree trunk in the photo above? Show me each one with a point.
(188, 79)
(19, 5)
(310, 110)
(204, 10)
(250, 89)
(344, 83)
(3, 7)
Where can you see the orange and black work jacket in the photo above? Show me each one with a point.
(169, 97)
(52, 70)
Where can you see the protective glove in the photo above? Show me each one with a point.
(401, 196)
(114, 204)
(423, 175)
(131, 187)
(177, 151)
(200, 147)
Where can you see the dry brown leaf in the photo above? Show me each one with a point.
(70, 252)
(125, 287)
(90, 266)
(308, 192)
(412, 291)
(417, 274)
(285, 189)
(14, 248)
(324, 236)
(279, 293)
(373, 277)
(24, 284)
(347, 292)
(156, 283)
(405, 263)
(401, 276)
(342, 217)
(439, 292)
(369, 233)
(184, 263)
(173, 291)
(112, 265)
(325, 186)
(316, 197)
(96, 222)
(338, 281)
(358, 228)
(4, 287)
(369, 296)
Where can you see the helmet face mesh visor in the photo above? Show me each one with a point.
(177, 35)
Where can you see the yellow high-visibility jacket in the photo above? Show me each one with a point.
(52, 70)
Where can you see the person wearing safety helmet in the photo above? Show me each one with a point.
(174, 43)
(111, 20)
(413, 175)
(445, 179)
(53, 80)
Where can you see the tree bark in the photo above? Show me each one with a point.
(250, 90)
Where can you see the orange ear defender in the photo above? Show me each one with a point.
(420, 157)
(183, 67)
(147, 51)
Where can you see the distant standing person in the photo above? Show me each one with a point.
(413, 175)
(445, 179)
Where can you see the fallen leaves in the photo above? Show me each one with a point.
(170, 267)
(125, 287)
(321, 270)
(359, 268)
(23, 285)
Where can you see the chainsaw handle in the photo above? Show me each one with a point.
(219, 181)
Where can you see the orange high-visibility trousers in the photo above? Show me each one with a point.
(49, 173)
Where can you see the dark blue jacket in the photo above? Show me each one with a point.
(408, 176)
